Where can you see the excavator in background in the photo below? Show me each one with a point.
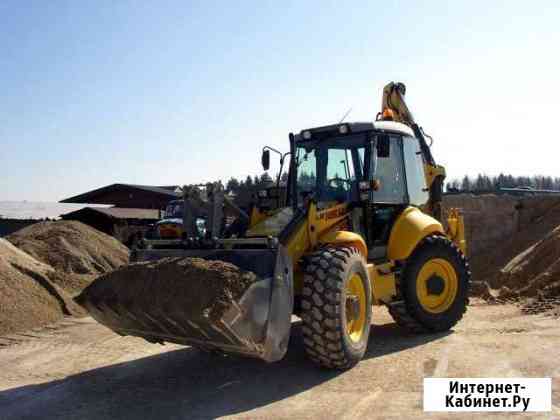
(168, 231)
(361, 224)
(194, 211)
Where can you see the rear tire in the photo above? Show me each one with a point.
(336, 307)
(432, 292)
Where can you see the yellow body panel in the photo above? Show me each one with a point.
(321, 221)
(432, 172)
(342, 237)
(410, 228)
(382, 282)
(298, 244)
(456, 229)
(318, 223)
(256, 217)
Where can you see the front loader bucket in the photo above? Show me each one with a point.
(255, 324)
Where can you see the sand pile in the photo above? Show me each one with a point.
(534, 228)
(535, 271)
(185, 288)
(28, 298)
(500, 227)
(78, 252)
(43, 265)
(531, 279)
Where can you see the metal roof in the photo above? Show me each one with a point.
(174, 188)
(116, 213)
(101, 195)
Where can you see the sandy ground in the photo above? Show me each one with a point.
(78, 369)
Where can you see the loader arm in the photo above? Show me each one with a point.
(394, 107)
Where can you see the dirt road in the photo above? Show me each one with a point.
(80, 370)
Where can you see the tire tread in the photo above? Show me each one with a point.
(403, 310)
(321, 302)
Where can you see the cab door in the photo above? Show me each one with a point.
(417, 190)
(389, 197)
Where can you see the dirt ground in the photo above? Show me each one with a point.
(78, 369)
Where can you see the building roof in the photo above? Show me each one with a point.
(128, 196)
(115, 213)
(174, 188)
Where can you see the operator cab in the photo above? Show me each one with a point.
(377, 168)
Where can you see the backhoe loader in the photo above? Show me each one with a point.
(361, 225)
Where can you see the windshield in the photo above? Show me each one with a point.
(307, 170)
(174, 210)
(327, 168)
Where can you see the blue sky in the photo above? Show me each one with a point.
(173, 92)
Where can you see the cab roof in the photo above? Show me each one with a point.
(357, 127)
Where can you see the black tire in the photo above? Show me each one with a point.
(323, 307)
(407, 311)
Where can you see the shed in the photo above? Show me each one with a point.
(125, 224)
(130, 196)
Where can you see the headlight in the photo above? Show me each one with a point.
(343, 129)
(307, 135)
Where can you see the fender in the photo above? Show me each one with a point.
(410, 228)
(342, 237)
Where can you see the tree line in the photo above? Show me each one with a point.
(244, 189)
(483, 183)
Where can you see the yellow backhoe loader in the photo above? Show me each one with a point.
(361, 225)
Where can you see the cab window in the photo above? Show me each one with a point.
(416, 181)
(307, 170)
(337, 169)
(387, 168)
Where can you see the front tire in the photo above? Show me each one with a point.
(336, 307)
(433, 288)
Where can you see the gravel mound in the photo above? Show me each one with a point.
(43, 265)
(500, 227)
(535, 271)
(71, 247)
(185, 288)
(28, 296)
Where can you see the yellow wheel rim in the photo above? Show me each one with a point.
(355, 308)
(436, 285)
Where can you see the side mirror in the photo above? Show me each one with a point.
(265, 159)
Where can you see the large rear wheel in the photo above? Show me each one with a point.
(336, 307)
(433, 287)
